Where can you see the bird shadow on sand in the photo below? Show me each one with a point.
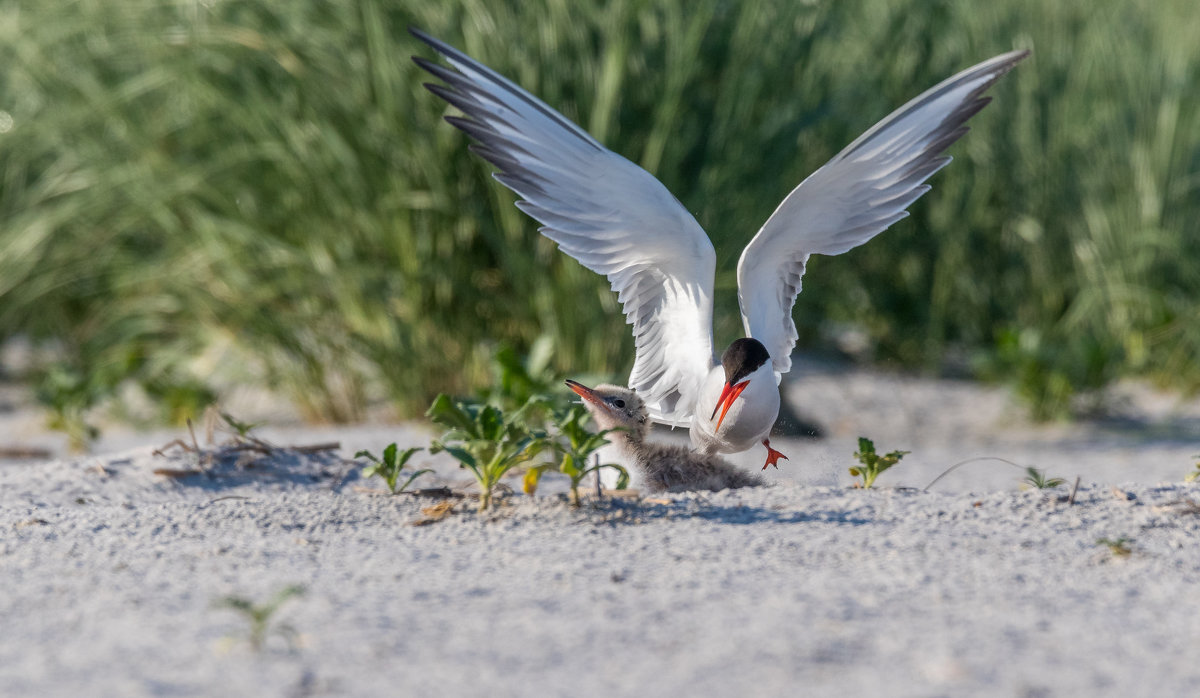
(615, 512)
(1141, 430)
(282, 468)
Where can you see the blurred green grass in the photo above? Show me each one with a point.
(267, 177)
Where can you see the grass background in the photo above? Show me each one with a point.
(261, 188)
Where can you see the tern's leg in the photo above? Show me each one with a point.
(773, 456)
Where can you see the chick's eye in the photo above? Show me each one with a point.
(619, 402)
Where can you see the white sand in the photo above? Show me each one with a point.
(110, 573)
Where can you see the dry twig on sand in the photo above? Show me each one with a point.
(24, 453)
(240, 444)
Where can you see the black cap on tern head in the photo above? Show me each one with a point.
(743, 357)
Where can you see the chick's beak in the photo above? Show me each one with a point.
(584, 392)
(728, 394)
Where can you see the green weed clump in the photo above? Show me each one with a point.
(484, 440)
(1119, 547)
(517, 418)
(871, 464)
(575, 445)
(68, 395)
(1037, 479)
(187, 188)
(259, 615)
(390, 466)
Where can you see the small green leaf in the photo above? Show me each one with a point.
(462, 455)
(871, 463)
(568, 466)
(446, 412)
(491, 423)
(407, 454)
(412, 477)
(866, 446)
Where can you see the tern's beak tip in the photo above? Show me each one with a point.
(728, 395)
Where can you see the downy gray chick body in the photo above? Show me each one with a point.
(655, 467)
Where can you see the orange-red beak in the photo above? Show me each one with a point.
(585, 392)
(728, 395)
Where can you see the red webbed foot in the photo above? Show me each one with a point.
(773, 456)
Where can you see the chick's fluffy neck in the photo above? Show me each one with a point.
(629, 436)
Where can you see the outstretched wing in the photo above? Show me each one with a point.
(853, 198)
(606, 212)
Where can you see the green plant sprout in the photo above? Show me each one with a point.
(239, 428)
(69, 394)
(259, 615)
(484, 440)
(179, 397)
(1037, 479)
(872, 464)
(518, 380)
(1119, 546)
(576, 444)
(390, 466)
(1033, 476)
(1195, 474)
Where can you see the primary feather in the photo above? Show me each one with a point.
(606, 212)
(854, 197)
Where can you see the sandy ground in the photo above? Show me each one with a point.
(112, 575)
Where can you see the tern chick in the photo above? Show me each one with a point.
(660, 467)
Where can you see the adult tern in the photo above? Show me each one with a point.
(618, 220)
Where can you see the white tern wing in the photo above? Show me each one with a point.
(606, 212)
(854, 197)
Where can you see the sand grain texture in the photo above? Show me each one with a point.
(110, 573)
(838, 591)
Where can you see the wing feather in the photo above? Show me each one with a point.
(855, 196)
(609, 214)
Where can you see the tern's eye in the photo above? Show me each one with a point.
(619, 402)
